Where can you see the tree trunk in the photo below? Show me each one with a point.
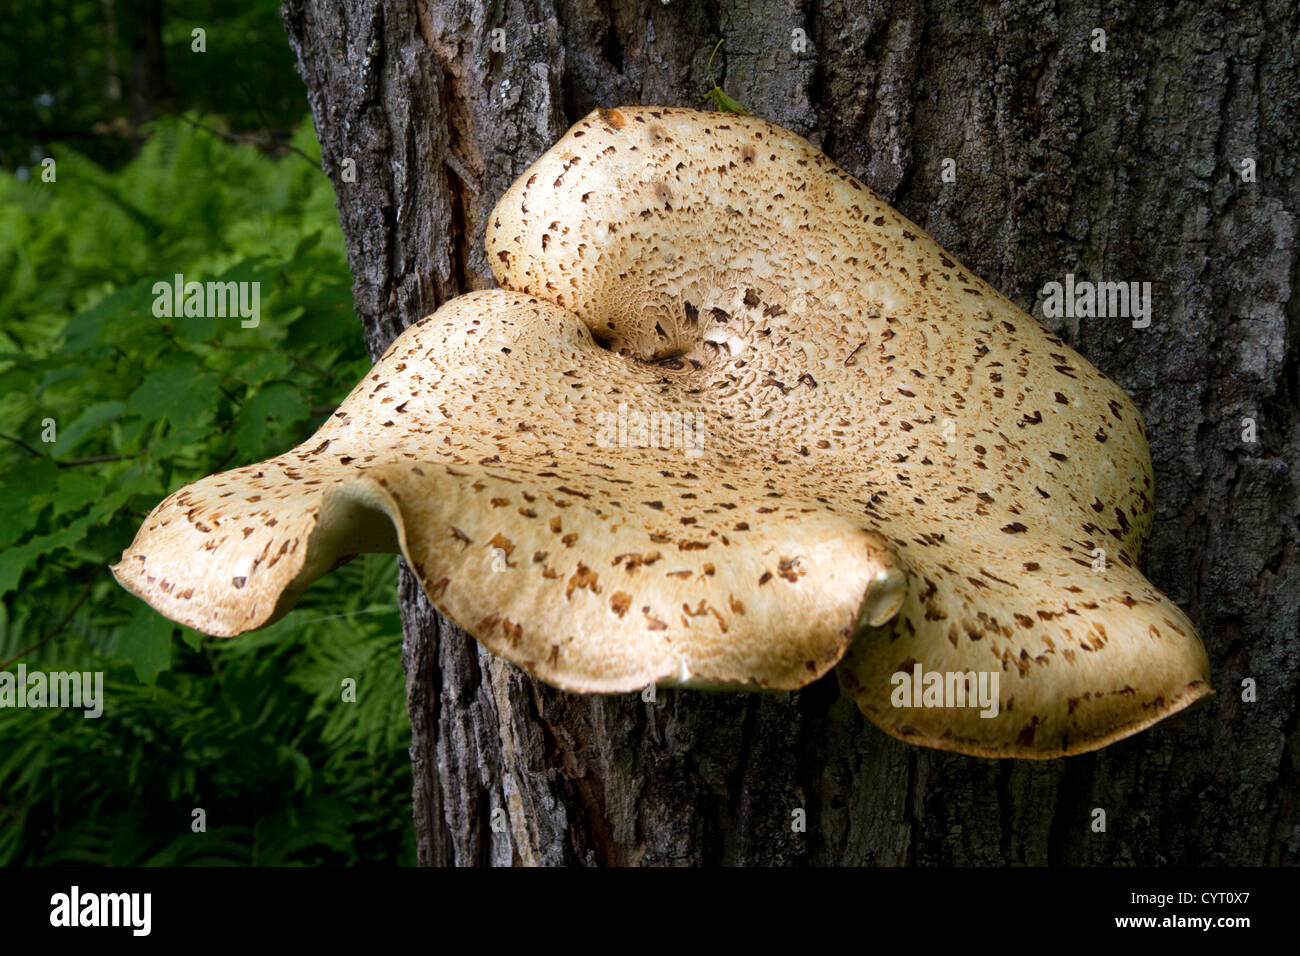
(1117, 165)
(150, 84)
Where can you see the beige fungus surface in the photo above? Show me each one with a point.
(895, 465)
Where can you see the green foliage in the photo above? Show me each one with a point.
(70, 73)
(723, 102)
(253, 730)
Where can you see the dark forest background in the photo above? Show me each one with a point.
(167, 160)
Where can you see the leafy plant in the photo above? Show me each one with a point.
(721, 100)
(105, 407)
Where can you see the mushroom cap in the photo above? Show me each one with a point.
(730, 421)
(475, 446)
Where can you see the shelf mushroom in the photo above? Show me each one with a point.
(730, 422)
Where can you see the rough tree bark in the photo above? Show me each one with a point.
(1116, 165)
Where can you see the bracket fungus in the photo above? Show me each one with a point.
(895, 469)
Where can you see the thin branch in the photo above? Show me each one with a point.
(56, 629)
(312, 366)
(92, 460)
(72, 462)
(237, 348)
(246, 138)
(22, 444)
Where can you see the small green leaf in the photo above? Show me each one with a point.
(306, 244)
(193, 405)
(726, 104)
(16, 522)
(76, 488)
(272, 363)
(26, 490)
(146, 644)
(31, 480)
(162, 386)
(141, 479)
(55, 376)
(120, 310)
(328, 321)
(720, 99)
(191, 638)
(16, 561)
(87, 423)
(275, 407)
(195, 328)
(20, 378)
